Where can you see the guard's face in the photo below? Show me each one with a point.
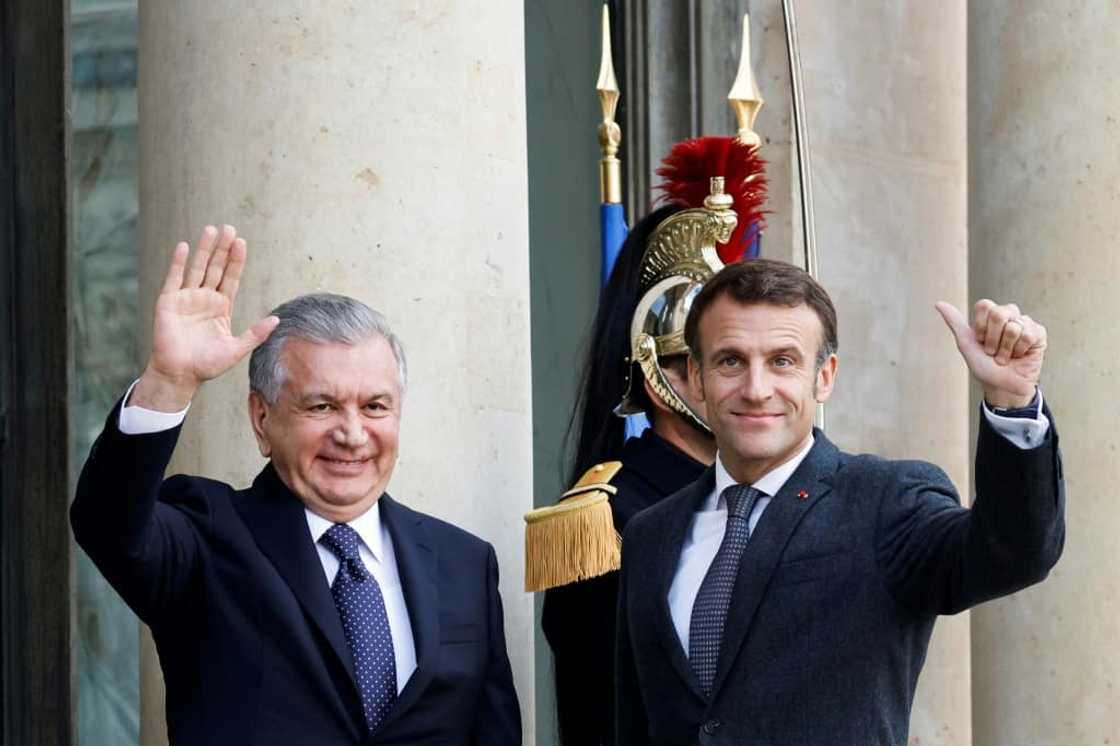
(759, 382)
(332, 434)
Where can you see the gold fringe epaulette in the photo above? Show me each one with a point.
(574, 539)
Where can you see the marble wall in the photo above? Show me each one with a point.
(1044, 219)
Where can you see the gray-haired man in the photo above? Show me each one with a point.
(310, 607)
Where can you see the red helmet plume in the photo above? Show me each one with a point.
(686, 174)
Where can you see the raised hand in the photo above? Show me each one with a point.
(192, 340)
(1003, 348)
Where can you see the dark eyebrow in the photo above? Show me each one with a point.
(719, 352)
(789, 350)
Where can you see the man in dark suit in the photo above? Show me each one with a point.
(787, 597)
(310, 608)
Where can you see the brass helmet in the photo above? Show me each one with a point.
(687, 249)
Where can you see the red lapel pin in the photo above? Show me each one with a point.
(802, 495)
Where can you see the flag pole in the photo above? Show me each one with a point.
(804, 171)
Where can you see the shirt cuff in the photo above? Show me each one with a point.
(1024, 432)
(139, 421)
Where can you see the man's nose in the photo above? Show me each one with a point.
(756, 385)
(350, 431)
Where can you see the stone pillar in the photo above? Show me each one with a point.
(1044, 216)
(377, 150)
(885, 94)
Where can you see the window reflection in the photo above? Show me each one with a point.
(103, 303)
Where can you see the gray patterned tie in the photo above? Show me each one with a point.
(709, 612)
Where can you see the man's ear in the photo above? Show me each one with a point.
(258, 413)
(826, 378)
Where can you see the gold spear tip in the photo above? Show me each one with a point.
(745, 97)
(607, 85)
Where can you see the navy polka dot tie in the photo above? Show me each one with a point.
(362, 610)
(709, 612)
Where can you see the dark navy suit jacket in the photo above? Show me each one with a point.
(250, 643)
(836, 595)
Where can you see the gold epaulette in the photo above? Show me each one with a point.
(575, 538)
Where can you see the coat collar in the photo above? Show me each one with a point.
(417, 562)
(278, 523)
(806, 486)
(678, 519)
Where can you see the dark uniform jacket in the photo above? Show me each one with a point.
(579, 619)
(836, 595)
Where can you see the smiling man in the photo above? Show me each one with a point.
(310, 607)
(787, 597)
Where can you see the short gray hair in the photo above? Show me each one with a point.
(323, 318)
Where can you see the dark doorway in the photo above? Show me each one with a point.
(35, 554)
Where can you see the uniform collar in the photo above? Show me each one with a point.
(666, 467)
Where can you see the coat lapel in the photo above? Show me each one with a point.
(679, 520)
(277, 521)
(417, 562)
(808, 484)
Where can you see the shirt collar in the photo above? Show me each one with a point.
(769, 483)
(367, 525)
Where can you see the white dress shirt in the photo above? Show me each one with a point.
(705, 531)
(375, 550)
(705, 534)
(376, 553)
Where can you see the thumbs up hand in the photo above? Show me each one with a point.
(1003, 349)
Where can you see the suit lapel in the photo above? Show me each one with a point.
(417, 563)
(668, 557)
(277, 521)
(798, 495)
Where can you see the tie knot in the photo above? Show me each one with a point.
(740, 498)
(342, 540)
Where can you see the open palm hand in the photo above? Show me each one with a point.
(193, 340)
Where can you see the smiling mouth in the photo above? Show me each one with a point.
(344, 462)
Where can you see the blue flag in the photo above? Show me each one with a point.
(612, 234)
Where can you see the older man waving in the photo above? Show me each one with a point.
(310, 607)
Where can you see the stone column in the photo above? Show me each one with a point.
(1044, 216)
(378, 150)
(885, 95)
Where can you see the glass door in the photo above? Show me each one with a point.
(103, 283)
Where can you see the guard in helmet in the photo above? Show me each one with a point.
(637, 363)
